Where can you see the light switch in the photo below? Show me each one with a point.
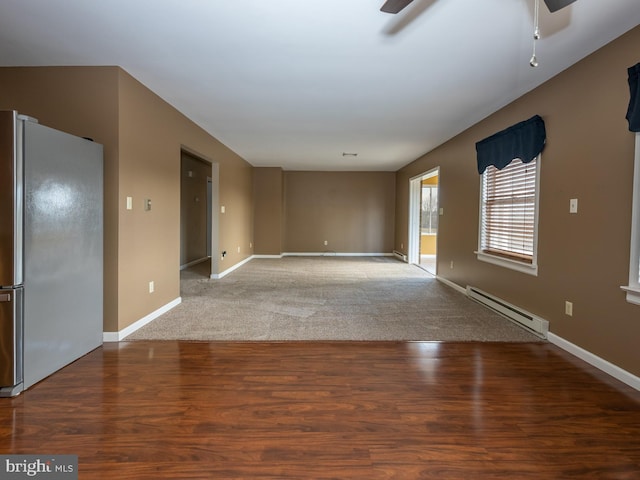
(147, 204)
(568, 308)
(129, 203)
(573, 205)
(222, 209)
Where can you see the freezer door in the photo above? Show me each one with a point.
(11, 200)
(62, 249)
(10, 337)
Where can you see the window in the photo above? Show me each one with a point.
(633, 289)
(509, 216)
(429, 210)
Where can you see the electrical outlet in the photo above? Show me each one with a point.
(451, 266)
(152, 287)
(238, 248)
(568, 308)
(326, 242)
(573, 205)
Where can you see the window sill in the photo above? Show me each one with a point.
(529, 269)
(633, 294)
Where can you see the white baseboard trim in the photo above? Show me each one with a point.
(335, 254)
(218, 276)
(452, 285)
(267, 256)
(194, 262)
(118, 336)
(592, 359)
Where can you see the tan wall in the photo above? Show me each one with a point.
(193, 208)
(268, 210)
(143, 137)
(431, 180)
(428, 244)
(583, 258)
(83, 102)
(152, 136)
(353, 211)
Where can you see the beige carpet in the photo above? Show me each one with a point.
(326, 298)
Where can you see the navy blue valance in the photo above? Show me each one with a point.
(524, 140)
(633, 113)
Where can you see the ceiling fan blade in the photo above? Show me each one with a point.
(555, 5)
(394, 6)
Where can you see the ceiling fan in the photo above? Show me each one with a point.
(394, 6)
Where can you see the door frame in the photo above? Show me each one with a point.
(209, 214)
(415, 193)
(213, 206)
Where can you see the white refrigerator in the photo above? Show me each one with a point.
(51, 250)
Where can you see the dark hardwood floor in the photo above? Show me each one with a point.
(322, 410)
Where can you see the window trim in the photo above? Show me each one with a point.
(513, 264)
(633, 288)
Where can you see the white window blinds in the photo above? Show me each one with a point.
(509, 211)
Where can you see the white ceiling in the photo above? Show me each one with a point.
(295, 83)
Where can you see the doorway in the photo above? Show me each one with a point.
(198, 222)
(423, 220)
(209, 214)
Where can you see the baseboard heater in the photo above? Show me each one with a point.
(400, 255)
(531, 322)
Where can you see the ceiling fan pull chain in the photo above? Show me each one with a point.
(536, 33)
